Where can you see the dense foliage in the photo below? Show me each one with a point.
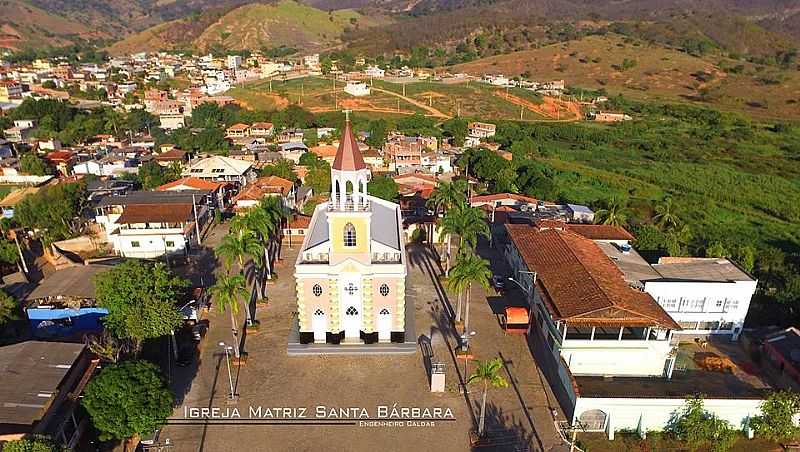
(35, 443)
(698, 428)
(776, 421)
(53, 212)
(141, 300)
(128, 399)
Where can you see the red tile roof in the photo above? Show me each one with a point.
(501, 196)
(155, 213)
(581, 284)
(348, 156)
(193, 183)
(600, 231)
(300, 222)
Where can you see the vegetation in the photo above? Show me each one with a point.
(8, 308)
(778, 412)
(383, 187)
(698, 428)
(127, 400)
(141, 300)
(35, 443)
(226, 293)
(53, 212)
(487, 373)
(30, 163)
(469, 269)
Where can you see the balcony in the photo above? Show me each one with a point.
(315, 258)
(385, 258)
(363, 205)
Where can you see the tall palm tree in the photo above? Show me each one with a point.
(237, 247)
(444, 197)
(665, 217)
(470, 269)
(466, 222)
(615, 213)
(488, 373)
(226, 292)
(276, 214)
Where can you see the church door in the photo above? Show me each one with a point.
(351, 308)
(384, 325)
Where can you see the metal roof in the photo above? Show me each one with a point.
(75, 282)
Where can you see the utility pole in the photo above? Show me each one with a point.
(196, 222)
(521, 110)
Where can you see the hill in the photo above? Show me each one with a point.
(251, 26)
(643, 70)
(22, 23)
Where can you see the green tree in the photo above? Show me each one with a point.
(487, 373)
(141, 300)
(776, 421)
(53, 212)
(378, 130)
(139, 120)
(208, 115)
(383, 187)
(128, 400)
(238, 247)
(665, 216)
(226, 293)
(282, 168)
(469, 269)
(30, 163)
(8, 308)
(319, 178)
(717, 249)
(35, 443)
(614, 213)
(444, 197)
(457, 129)
(698, 428)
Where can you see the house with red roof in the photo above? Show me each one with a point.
(220, 191)
(264, 187)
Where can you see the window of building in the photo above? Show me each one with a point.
(384, 311)
(218, 170)
(719, 306)
(384, 290)
(170, 244)
(317, 290)
(135, 244)
(669, 304)
(351, 311)
(731, 305)
(708, 326)
(319, 312)
(688, 325)
(349, 235)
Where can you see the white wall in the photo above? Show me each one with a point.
(740, 291)
(610, 357)
(654, 413)
(150, 245)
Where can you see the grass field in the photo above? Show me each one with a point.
(654, 72)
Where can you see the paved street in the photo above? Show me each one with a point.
(273, 379)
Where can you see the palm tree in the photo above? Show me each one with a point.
(275, 213)
(615, 213)
(470, 269)
(236, 247)
(444, 197)
(665, 216)
(227, 292)
(466, 222)
(488, 373)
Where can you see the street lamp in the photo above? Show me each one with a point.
(226, 347)
(465, 345)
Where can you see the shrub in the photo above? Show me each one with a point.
(698, 428)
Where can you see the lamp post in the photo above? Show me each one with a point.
(465, 341)
(226, 347)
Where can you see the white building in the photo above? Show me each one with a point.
(172, 121)
(481, 129)
(704, 295)
(375, 71)
(357, 88)
(221, 169)
(233, 61)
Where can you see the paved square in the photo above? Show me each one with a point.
(272, 379)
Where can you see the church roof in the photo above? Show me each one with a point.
(348, 156)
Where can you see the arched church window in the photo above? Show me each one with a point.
(384, 311)
(317, 290)
(349, 235)
(319, 312)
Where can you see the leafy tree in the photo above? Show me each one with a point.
(310, 159)
(49, 84)
(488, 374)
(141, 300)
(226, 292)
(776, 421)
(457, 129)
(615, 213)
(649, 238)
(54, 211)
(35, 443)
(128, 400)
(139, 120)
(8, 308)
(211, 140)
(294, 116)
(383, 187)
(152, 175)
(717, 249)
(282, 168)
(208, 115)
(697, 427)
(30, 163)
(665, 216)
(469, 269)
(378, 131)
(8, 252)
(319, 178)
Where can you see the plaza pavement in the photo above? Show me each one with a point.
(272, 379)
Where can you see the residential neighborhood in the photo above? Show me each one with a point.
(353, 276)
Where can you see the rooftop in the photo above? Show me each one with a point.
(718, 370)
(152, 197)
(149, 213)
(193, 183)
(632, 265)
(33, 373)
(70, 282)
(348, 156)
(700, 269)
(581, 284)
(600, 231)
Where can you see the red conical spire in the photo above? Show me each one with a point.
(348, 156)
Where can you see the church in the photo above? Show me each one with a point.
(351, 269)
